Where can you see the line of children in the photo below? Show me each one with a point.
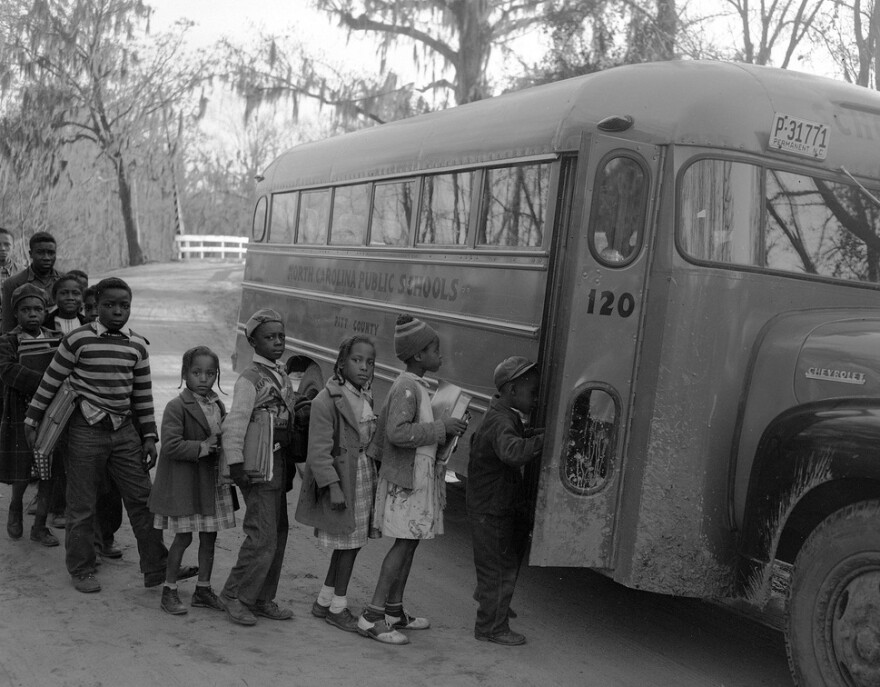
(341, 495)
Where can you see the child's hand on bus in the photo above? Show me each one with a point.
(454, 426)
(337, 498)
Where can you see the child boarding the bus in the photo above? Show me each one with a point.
(189, 493)
(411, 492)
(496, 500)
(339, 479)
(262, 386)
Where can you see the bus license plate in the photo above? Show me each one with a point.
(799, 136)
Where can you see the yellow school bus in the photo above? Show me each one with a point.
(691, 252)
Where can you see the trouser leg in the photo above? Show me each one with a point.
(87, 453)
(496, 559)
(125, 465)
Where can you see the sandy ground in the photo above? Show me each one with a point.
(582, 629)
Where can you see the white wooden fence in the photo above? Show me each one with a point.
(199, 247)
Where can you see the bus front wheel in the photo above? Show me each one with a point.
(833, 626)
(312, 380)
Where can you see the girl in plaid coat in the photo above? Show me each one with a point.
(339, 479)
(190, 494)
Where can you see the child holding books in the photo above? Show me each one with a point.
(112, 427)
(339, 478)
(19, 384)
(189, 494)
(496, 500)
(411, 492)
(264, 385)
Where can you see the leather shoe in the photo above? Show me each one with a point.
(508, 638)
(237, 611)
(109, 551)
(271, 610)
(171, 602)
(319, 611)
(58, 521)
(344, 620)
(14, 526)
(44, 536)
(86, 584)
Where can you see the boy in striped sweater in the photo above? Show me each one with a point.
(112, 425)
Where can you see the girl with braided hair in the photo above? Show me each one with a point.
(339, 479)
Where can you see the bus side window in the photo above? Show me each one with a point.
(588, 452)
(446, 206)
(720, 215)
(351, 206)
(314, 214)
(514, 206)
(618, 212)
(392, 213)
(822, 227)
(283, 222)
(258, 228)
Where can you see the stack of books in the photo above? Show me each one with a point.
(259, 446)
(450, 401)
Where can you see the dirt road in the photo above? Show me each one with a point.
(582, 629)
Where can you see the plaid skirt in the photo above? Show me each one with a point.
(223, 518)
(365, 487)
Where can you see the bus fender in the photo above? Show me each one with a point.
(811, 461)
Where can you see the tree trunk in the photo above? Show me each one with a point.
(135, 255)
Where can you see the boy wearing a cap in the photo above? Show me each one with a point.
(496, 499)
(250, 589)
(19, 384)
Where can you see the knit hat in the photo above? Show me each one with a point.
(259, 317)
(511, 368)
(27, 290)
(411, 336)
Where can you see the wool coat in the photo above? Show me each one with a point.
(399, 432)
(334, 445)
(184, 483)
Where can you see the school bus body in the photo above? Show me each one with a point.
(705, 412)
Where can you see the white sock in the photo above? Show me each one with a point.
(171, 585)
(338, 604)
(325, 596)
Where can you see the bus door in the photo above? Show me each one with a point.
(592, 348)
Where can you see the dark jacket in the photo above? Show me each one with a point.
(499, 449)
(399, 432)
(332, 421)
(184, 482)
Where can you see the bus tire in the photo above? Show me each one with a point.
(833, 622)
(312, 380)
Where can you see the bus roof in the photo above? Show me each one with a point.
(716, 104)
